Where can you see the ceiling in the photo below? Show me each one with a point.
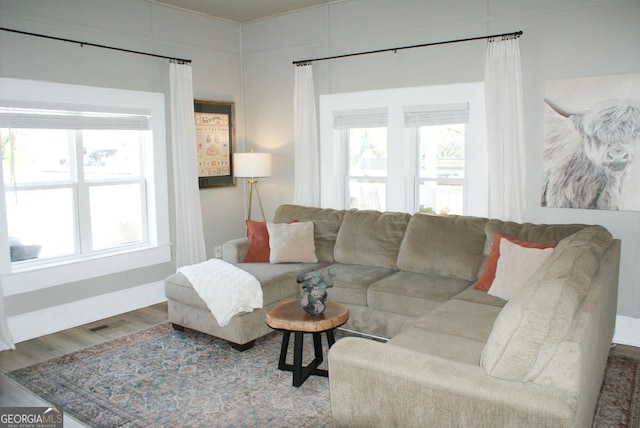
(243, 10)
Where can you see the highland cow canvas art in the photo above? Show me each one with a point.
(591, 133)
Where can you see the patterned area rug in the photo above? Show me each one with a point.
(161, 377)
(619, 400)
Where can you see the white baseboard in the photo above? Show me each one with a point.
(627, 331)
(51, 320)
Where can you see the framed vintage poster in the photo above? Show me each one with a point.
(214, 138)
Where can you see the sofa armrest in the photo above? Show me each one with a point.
(235, 251)
(377, 384)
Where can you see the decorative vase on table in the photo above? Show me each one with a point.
(313, 297)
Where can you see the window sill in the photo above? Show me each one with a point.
(51, 275)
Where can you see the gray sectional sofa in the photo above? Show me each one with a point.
(457, 356)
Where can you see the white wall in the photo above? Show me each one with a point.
(251, 65)
(214, 47)
(562, 39)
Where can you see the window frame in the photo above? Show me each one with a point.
(412, 134)
(344, 142)
(25, 277)
(401, 179)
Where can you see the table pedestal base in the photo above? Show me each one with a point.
(300, 373)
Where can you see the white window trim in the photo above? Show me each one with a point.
(37, 94)
(400, 191)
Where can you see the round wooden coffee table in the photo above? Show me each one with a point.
(291, 318)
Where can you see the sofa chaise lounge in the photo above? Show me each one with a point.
(457, 355)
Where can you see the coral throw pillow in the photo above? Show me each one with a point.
(487, 277)
(258, 242)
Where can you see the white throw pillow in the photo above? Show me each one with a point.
(515, 266)
(292, 242)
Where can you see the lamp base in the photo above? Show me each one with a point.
(254, 183)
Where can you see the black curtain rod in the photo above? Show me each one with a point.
(180, 60)
(515, 34)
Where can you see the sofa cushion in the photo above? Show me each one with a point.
(326, 223)
(370, 238)
(352, 281)
(456, 330)
(455, 348)
(443, 245)
(533, 233)
(413, 294)
(532, 324)
(278, 282)
(479, 296)
(291, 242)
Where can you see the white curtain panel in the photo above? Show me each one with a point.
(505, 130)
(6, 340)
(306, 187)
(189, 245)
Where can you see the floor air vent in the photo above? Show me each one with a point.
(113, 324)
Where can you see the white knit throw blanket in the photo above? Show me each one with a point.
(226, 289)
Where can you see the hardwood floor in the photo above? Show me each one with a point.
(64, 342)
(628, 351)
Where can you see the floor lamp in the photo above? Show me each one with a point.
(252, 165)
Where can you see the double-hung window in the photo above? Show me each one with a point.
(438, 135)
(363, 136)
(408, 149)
(84, 180)
(74, 181)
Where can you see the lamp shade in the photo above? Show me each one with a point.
(252, 165)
